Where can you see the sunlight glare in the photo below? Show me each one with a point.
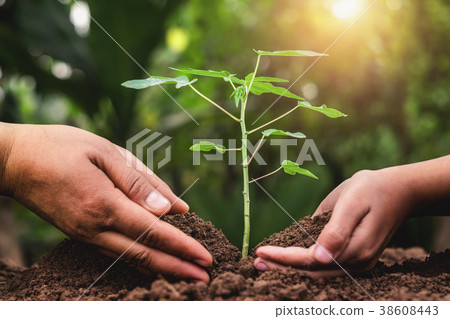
(344, 9)
(80, 17)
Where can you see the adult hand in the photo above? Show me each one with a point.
(367, 209)
(81, 183)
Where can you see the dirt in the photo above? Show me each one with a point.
(66, 272)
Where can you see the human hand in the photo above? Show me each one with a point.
(367, 209)
(80, 183)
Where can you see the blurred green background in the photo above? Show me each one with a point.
(390, 72)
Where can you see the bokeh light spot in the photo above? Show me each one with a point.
(177, 39)
(80, 17)
(344, 9)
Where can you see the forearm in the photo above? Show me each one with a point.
(6, 143)
(427, 185)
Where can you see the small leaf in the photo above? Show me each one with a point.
(290, 53)
(269, 79)
(259, 88)
(273, 131)
(238, 95)
(236, 80)
(208, 73)
(333, 113)
(248, 78)
(293, 168)
(157, 80)
(205, 146)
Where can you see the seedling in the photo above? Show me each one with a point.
(242, 88)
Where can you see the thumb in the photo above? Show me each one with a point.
(133, 184)
(336, 234)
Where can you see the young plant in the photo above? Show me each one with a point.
(242, 88)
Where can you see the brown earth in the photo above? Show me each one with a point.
(66, 272)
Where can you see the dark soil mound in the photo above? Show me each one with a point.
(72, 267)
(299, 234)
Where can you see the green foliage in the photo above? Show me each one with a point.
(333, 113)
(205, 146)
(158, 80)
(257, 86)
(261, 87)
(272, 131)
(238, 95)
(293, 168)
(268, 79)
(208, 73)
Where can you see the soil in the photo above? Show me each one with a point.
(66, 272)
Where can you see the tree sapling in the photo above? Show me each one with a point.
(242, 88)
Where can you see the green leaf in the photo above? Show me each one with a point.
(157, 80)
(293, 168)
(236, 80)
(248, 78)
(238, 95)
(273, 131)
(333, 113)
(209, 73)
(290, 53)
(259, 88)
(269, 79)
(205, 146)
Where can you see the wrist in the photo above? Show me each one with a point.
(401, 184)
(7, 139)
(423, 185)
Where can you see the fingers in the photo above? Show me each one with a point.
(328, 203)
(290, 256)
(335, 236)
(148, 260)
(368, 242)
(262, 264)
(135, 186)
(265, 265)
(134, 222)
(178, 205)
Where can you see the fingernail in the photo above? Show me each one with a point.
(261, 266)
(202, 262)
(323, 255)
(157, 203)
(186, 206)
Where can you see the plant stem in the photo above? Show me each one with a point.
(215, 104)
(232, 84)
(253, 78)
(246, 192)
(274, 120)
(264, 176)
(256, 150)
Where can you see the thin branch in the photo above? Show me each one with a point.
(256, 150)
(253, 77)
(264, 176)
(231, 82)
(215, 104)
(274, 120)
(228, 149)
